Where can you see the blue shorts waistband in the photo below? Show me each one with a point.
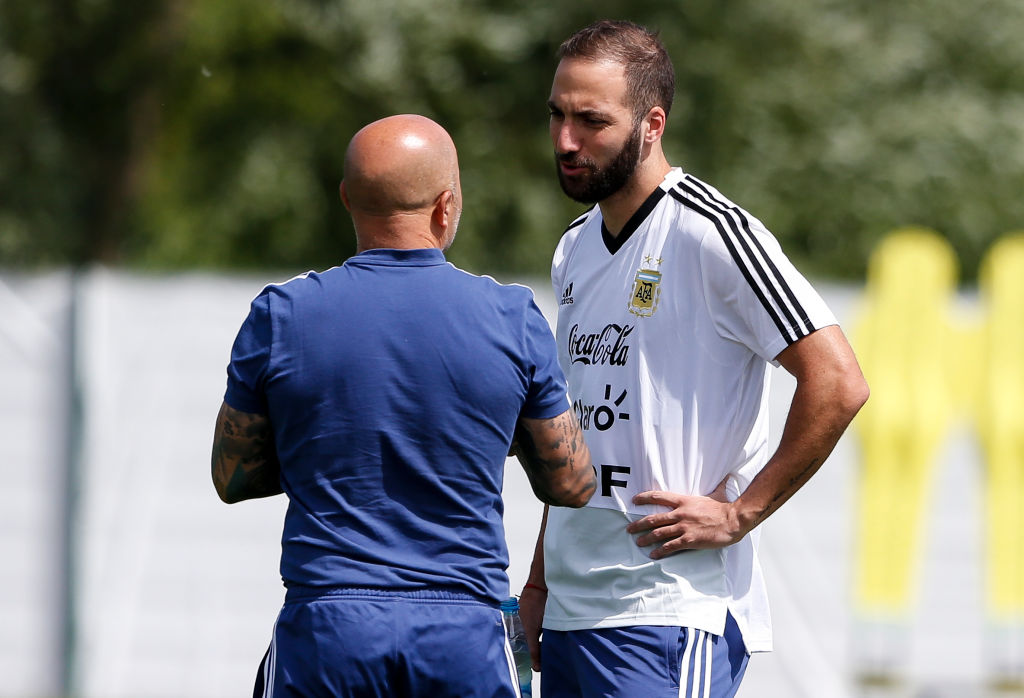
(296, 593)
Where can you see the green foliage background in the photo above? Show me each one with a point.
(177, 134)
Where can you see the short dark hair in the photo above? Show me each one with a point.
(650, 77)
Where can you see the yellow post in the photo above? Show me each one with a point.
(1000, 419)
(906, 344)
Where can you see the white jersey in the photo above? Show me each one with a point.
(665, 334)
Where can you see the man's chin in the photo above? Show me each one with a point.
(576, 190)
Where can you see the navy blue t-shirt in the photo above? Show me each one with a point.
(393, 384)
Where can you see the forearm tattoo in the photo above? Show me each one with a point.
(794, 484)
(557, 460)
(244, 460)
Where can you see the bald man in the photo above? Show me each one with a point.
(402, 185)
(382, 397)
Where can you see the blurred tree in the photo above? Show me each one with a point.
(178, 133)
(79, 90)
(836, 122)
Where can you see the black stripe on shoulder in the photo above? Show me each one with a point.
(720, 222)
(780, 281)
(579, 221)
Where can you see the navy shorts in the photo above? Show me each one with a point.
(363, 644)
(642, 660)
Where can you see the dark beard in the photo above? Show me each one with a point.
(600, 183)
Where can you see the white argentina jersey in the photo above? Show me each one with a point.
(665, 334)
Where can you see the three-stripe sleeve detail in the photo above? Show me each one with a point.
(765, 280)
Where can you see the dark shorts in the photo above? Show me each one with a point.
(643, 660)
(362, 644)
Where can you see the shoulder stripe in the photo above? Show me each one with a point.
(579, 221)
(725, 205)
(735, 232)
(718, 223)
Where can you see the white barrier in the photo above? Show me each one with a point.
(175, 593)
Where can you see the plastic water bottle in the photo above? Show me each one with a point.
(517, 639)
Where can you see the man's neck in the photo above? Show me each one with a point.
(406, 230)
(618, 208)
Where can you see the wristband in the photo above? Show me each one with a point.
(534, 586)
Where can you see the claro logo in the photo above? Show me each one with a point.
(608, 346)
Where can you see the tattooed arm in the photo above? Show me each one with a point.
(830, 389)
(556, 459)
(244, 461)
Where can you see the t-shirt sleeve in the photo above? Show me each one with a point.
(754, 293)
(250, 356)
(546, 396)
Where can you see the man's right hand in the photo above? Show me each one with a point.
(531, 612)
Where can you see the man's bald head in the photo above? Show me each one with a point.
(399, 164)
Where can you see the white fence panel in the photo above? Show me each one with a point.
(176, 593)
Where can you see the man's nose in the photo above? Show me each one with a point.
(566, 140)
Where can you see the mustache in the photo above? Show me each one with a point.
(575, 160)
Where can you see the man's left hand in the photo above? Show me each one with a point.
(693, 522)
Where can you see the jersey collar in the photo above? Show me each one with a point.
(614, 244)
(386, 256)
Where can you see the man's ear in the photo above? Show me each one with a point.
(443, 210)
(656, 121)
(344, 195)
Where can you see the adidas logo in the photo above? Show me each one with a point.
(567, 295)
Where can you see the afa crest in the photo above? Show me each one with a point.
(646, 291)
